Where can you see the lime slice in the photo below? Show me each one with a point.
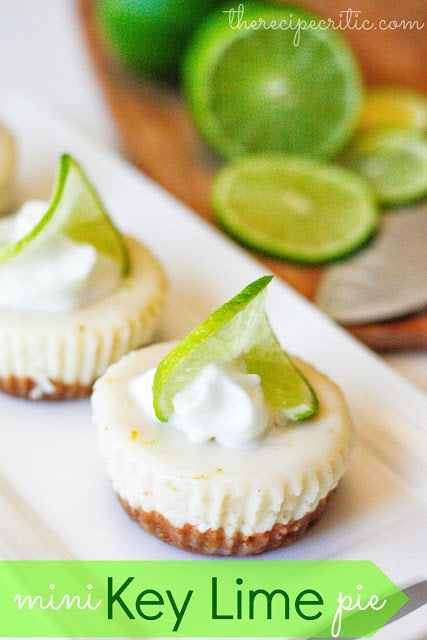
(76, 211)
(294, 208)
(237, 331)
(394, 162)
(255, 88)
(393, 106)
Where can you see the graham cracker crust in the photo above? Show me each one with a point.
(215, 542)
(29, 389)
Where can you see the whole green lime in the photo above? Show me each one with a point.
(149, 36)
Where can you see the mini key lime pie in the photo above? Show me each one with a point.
(222, 443)
(75, 295)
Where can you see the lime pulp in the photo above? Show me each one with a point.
(271, 90)
(393, 161)
(294, 208)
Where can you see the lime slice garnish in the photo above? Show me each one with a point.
(294, 208)
(239, 331)
(394, 162)
(393, 106)
(262, 89)
(75, 210)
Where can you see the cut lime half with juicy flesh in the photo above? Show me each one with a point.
(294, 208)
(292, 89)
(239, 331)
(76, 211)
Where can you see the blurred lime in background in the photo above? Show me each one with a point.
(149, 36)
(251, 89)
(394, 161)
(395, 107)
(295, 208)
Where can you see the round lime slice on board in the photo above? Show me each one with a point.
(294, 208)
(393, 161)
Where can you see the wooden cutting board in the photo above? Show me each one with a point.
(159, 138)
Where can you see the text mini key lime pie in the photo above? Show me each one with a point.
(222, 443)
(75, 295)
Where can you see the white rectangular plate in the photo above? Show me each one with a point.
(55, 493)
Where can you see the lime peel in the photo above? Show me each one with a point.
(239, 331)
(76, 211)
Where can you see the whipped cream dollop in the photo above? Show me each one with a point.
(53, 273)
(218, 404)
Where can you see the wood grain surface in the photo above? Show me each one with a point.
(159, 137)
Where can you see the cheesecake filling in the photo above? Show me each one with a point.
(53, 273)
(156, 468)
(219, 404)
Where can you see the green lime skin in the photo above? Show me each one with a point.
(149, 36)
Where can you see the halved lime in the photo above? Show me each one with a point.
(239, 331)
(76, 211)
(394, 161)
(393, 106)
(270, 79)
(294, 208)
